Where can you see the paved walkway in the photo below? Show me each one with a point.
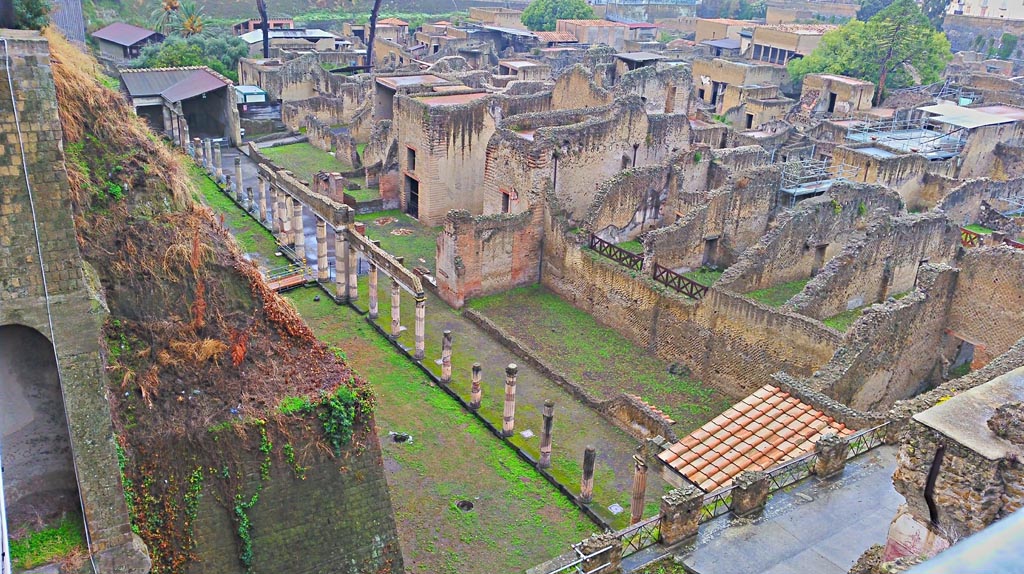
(816, 527)
(576, 425)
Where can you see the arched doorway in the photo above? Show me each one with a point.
(39, 483)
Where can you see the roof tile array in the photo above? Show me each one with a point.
(567, 37)
(766, 428)
(122, 34)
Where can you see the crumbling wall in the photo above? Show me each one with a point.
(575, 89)
(905, 173)
(988, 305)
(806, 238)
(632, 202)
(965, 204)
(487, 254)
(896, 349)
(666, 90)
(880, 263)
(353, 109)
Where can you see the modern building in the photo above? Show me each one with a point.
(122, 42)
(254, 24)
(296, 39)
(780, 43)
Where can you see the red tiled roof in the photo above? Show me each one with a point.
(766, 428)
(556, 36)
(595, 22)
(392, 22)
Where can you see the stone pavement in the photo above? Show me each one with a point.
(815, 527)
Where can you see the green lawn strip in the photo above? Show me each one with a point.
(978, 228)
(704, 275)
(664, 566)
(419, 244)
(842, 321)
(518, 518)
(303, 159)
(564, 466)
(360, 148)
(596, 356)
(48, 545)
(777, 295)
(364, 194)
(632, 246)
(253, 238)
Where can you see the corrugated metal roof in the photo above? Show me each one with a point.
(123, 34)
(969, 118)
(200, 82)
(639, 56)
(725, 43)
(304, 33)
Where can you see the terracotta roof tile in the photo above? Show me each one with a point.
(763, 430)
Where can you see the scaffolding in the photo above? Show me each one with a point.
(805, 178)
(914, 135)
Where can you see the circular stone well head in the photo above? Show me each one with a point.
(464, 505)
(400, 437)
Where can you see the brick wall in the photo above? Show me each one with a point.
(76, 315)
(988, 306)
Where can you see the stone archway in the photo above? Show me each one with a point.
(35, 446)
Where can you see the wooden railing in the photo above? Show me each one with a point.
(969, 238)
(616, 253)
(679, 283)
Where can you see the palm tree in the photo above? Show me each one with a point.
(165, 15)
(189, 21)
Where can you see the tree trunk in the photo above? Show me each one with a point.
(881, 86)
(261, 5)
(373, 32)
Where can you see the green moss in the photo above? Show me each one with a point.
(777, 295)
(49, 544)
(842, 321)
(633, 246)
(960, 370)
(360, 148)
(364, 194)
(977, 228)
(704, 275)
(304, 159)
(402, 235)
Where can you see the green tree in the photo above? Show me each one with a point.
(541, 15)
(30, 14)
(893, 49)
(221, 54)
(869, 8)
(1007, 46)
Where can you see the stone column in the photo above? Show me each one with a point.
(197, 150)
(396, 313)
(229, 186)
(373, 294)
(208, 155)
(750, 493)
(831, 451)
(636, 505)
(285, 210)
(218, 165)
(420, 327)
(548, 414)
(475, 392)
(680, 514)
(298, 231)
(587, 480)
(353, 272)
(607, 551)
(508, 419)
(261, 198)
(239, 182)
(446, 357)
(340, 264)
(323, 270)
(275, 216)
(248, 203)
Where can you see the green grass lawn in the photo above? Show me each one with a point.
(597, 357)
(704, 275)
(50, 544)
(633, 246)
(777, 295)
(252, 237)
(402, 235)
(842, 321)
(518, 519)
(364, 194)
(303, 159)
(977, 228)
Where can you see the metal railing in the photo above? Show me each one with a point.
(679, 283)
(616, 253)
(716, 503)
(862, 441)
(640, 535)
(791, 471)
(577, 565)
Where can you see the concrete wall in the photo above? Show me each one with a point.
(76, 315)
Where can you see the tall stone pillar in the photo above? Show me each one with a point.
(218, 163)
(353, 272)
(446, 357)
(508, 419)
(208, 155)
(197, 151)
(420, 327)
(323, 270)
(239, 182)
(340, 264)
(298, 231)
(636, 504)
(261, 198)
(286, 219)
(680, 514)
(248, 204)
(750, 493)
(373, 294)
(587, 480)
(475, 391)
(548, 414)
(831, 455)
(396, 313)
